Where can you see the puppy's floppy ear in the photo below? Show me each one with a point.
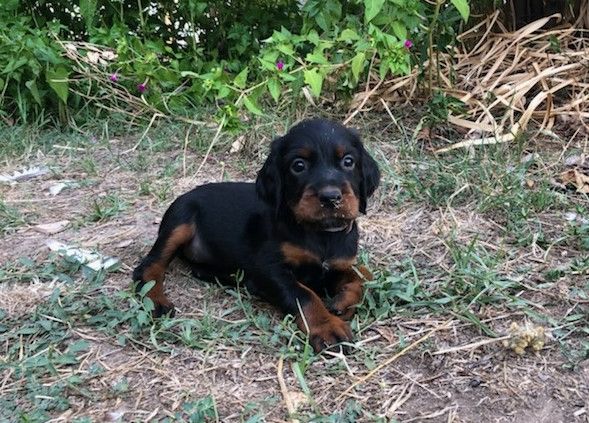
(370, 178)
(268, 181)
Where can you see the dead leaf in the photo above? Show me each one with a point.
(574, 160)
(92, 57)
(60, 186)
(92, 260)
(52, 228)
(124, 243)
(24, 174)
(115, 415)
(424, 134)
(298, 399)
(576, 178)
(109, 55)
(237, 145)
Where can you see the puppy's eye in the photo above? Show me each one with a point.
(298, 166)
(348, 162)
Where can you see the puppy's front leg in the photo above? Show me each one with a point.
(349, 290)
(283, 291)
(324, 328)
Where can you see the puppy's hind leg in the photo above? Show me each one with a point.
(153, 266)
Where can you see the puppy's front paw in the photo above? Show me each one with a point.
(329, 332)
(344, 303)
(163, 309)
(161, 304)
(350, 292)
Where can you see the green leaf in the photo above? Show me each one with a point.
(286, 49)
(399, 30)
(296, 368)
(10, 5)
(241, 79)
(223, 92)
(315, 80)
(274, 88)
(317, 57)
(313, 37)
(88, 10)
(462, 7)
(184, 74)
(252, 106)
(77, 346)
(348, 35)
(32, 86)
(57, 80)
(384, 67)
(146, 287)
(372, 8)
(287, 77)
(358, 65)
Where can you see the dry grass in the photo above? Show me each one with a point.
(506, 80)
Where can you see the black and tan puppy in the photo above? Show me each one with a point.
(292, 232)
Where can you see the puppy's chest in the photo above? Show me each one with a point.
(319, 261)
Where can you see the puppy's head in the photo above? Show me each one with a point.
(320, 172)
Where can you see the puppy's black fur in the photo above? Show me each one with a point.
(293, 232)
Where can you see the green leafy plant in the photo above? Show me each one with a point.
(171, 57)
(33, 73)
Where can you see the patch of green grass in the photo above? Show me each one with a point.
(163, 191)
(141, 163)
(578, 234)
(26, 270)
(23, 140)
(145, 187)
(106, 208)
(172, 136)
(170, 169)
(10, 218)
(202, 410)
(19, 140)
(473, 281)
(495, 181)
(43, 345)
(89, 166)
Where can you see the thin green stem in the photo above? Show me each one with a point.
(432, 27)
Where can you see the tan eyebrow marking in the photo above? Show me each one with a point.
(304, 152)
(340, 150)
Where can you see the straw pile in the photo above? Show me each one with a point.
(507, 80)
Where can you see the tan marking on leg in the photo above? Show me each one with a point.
(324, 328)
(156, 271)
(342, 263)
(349, 291)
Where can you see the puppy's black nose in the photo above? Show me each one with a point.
(330, 197)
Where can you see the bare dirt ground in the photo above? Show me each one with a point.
(426, 350)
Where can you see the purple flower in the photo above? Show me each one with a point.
(142, 87)
(408, 44)
(114, 77)
(279, 64)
